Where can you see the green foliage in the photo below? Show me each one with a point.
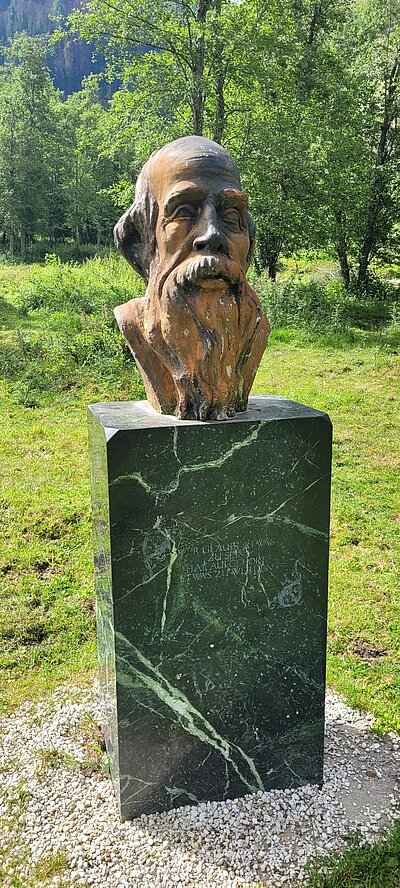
(74, 340)
(55, 182)
(6, 258)
(66, 251)
(361, 865)
(88, 287)
(305, 95)
(27, 117)
(296, 303)
(173, 88)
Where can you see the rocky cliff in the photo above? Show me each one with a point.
(71, 61)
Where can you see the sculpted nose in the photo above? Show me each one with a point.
(209, 236)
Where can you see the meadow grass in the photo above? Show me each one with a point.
(360, 865)
(57, 363)
(52, 364)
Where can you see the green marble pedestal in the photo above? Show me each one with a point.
(211, 549)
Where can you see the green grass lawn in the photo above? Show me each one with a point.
(360, 865)
(46, 578)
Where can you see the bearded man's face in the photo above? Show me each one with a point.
(202, 212)
(200, 318)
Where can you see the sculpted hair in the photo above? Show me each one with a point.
(135, 233)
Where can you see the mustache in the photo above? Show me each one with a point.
(202, 267)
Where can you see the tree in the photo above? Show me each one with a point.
(90, 209)
(28, 135)
(174, 59)
(277, 142)
(382, 60)
(358, 109)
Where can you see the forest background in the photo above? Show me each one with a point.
(304, 93)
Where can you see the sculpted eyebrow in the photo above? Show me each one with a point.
(193, 194)
(231, 196)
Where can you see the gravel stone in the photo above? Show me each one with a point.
(258, 840)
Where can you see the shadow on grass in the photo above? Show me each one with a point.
(10, 316)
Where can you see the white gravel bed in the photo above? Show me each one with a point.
(49, 804)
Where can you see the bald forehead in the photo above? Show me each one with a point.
(192, 149)
(191, 159)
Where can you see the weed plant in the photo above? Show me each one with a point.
(88, 287)
(68, 251)
(64, 334)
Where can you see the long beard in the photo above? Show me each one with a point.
(205, 324)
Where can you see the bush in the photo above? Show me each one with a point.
(89, 288)
(7, 259)
(309, 304)
(67, 251)
(377, 289)
(75, 351)
(79, 343)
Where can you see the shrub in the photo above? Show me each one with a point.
(377, 289)
(84, 288)
(319, 307)
(75, 351)
(7, 259)
(67, 251)
(79, 343)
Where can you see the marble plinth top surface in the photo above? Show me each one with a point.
(123, 415)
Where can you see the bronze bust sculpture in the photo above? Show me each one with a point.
(198, 335)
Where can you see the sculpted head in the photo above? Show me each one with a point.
(199, 333)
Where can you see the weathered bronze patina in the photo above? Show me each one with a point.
(199, 333)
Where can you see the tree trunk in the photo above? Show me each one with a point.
(219, 124)
(272, 265)
(378, 183)
(198, 112)
(23, 244)
(269, 246)
(341, 249)
(317, 16)
(365, 255)
(198, 96)
(370, 236)
(11, 244)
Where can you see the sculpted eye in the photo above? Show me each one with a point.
(233, 217)
(183, 211)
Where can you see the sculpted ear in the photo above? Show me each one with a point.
(130, 238)
(252, 236)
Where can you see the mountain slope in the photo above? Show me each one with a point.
(71, 61)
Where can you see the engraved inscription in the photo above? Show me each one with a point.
(213, 561)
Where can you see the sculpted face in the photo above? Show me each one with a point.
(199, 333)
(201, 209)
